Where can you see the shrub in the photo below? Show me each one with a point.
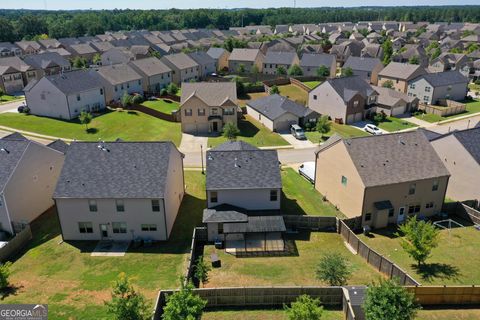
(137, 99)
(304, 308)
(172, 89)
(334, 269)
(274, 90)
(4, 274)
(163, 92)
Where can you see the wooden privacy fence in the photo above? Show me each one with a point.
(446, 295)
(16, 244)
(199, 237)
(313, 223)
(375, 259)
(155, 113)
(463, 211)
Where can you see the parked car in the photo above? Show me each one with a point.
(373, 129)
(297, 132)
(307, 169)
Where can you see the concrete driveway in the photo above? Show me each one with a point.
(191, 143)
(11, 106)
(297, 144)
(361, 124)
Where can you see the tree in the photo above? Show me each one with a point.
(4, 274)
(347, 72)
(304, 308)
(389, 300)
(6, 30)
(201, 270)
(323, 71)
(79, 63)
(435, 53)
(323, 126)
(240, 86)
(172, 89)
(274, 90)
(230, 131)
(379, 117)
(388, 84)
(414, 60)
(281, 71)
(97, 58)
(126, 303)
(255, 71)
(295, 70)
(419, 239)
(85, 118)
(334, 269)
(387, 51)
(241, 68)
(183, 304)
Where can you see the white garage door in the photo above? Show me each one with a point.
(398, 110)
(193, 128)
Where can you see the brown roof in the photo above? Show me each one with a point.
(212, 93)
(403, 71)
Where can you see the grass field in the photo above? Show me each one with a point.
(127, 125)
(294, 93)
(7, 98)
(162, 105)
(254, 133)
(343, 130)
(75, 285)
(454, 261)
(312, 84)
(274, 314)
(472, 107)
(392, 124)
(242, 101)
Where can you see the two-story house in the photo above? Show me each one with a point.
(126, 190)
(311, 62)
(220, 56)
(47, 64)
(156, 75)
(205, 107)
(29, 47)
(184, 68)
(119, 79)
(450, 61)
(275, 60)
(15, 74)
(207, 64)
(398, 75)
(8, 49)
(366, 68)
(431, 87)
(245, 59)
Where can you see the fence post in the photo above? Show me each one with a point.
(380, 264)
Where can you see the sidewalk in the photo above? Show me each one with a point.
(33, 134)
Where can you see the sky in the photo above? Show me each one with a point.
(184, 4)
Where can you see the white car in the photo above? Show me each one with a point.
(373, 129)
(307, 169)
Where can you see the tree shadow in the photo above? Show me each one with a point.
(92, 130)
(11, 290)
(247, 129)
(430, 271)
(388, 232)
(133, 113)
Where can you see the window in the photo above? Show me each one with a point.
(425, 98)
(435, 185)
(101, 92)
(213, 197)
(92, 205)
(214, 111)
(314, 97)
(417, 208)
(156, 205)
(412, 188)
(368, 216)
(128, 85)
(273, 195)
(201, 112)
(428, 89)
(121, 87)
(344, 180)
(149, 227)
(391, 212)
(120, 205)
(188, 112)
(355, 104)
(414, 208)
(412, 86)
(85, 227)
(78, 97)
(429, 205)
(119, 227)
(116, 88)
(139, 82)
(229, 111)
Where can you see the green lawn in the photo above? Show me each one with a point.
(75, 285)
(127, 125)
(472, 107)
(254, 133)
(300, 197)
(392, 124)
(8, 98)
(162, 105)
(474, 87)
(312, 84)
(454, 261)
(345, 131)
(273, 314)
(294, 93)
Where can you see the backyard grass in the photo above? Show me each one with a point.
(294, 93)
(345, 131)
(312, 84)
(127, 125)
(474, 87)
(75, 285)
(472, 107)
(273, 314)
(242, 100)
(162, 105)
(392, 124)
(293, 270)
(454, 261)
(300, 197)
(254, 133)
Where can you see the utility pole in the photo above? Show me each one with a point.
(201, 157)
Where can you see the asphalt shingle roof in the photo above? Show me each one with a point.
(235, 146)
(118, 73)
(212, 215)
(212, 93)
(316, 60)
(441, 79)
(244, 54)
(151, 66)
(46, 60)
(402, 71)
(347, 87)
(11, 151)
(257, 224)
(470, 139)
(216, 53)
(278, 57)
(59, 145)
(181, 61)
(360, 63)
(73, 82)
(274, 106)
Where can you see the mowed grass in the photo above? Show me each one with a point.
(301, 198)
(454, 261)
(449, 314)
(162, 105)
(472, 107)
(254, 133)
(294, 93)
(312, 84)
(392, 124)
(288, 270)
(75, 285)
(274, 314)
(7, 98)
(127, 125)
(345, 131)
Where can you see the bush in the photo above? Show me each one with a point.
(379, 117)
(4, 274)
(163, 92)
(172, 89)
(137, 99)
(274, 90)
(477, 82)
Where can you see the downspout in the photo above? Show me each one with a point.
(165, 219)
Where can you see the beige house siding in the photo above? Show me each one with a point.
(398, 85)
(259, 117)
(325, 101)
(250, 199)
(175, 189)
(222, 62)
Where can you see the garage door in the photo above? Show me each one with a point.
(358, 116)
(193, 128)
(398, 110)
(350, 119)
(284, 125)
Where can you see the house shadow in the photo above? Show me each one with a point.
(431, 271)
(290, 206)
(247, 129)
(11, 290)
(390, 232)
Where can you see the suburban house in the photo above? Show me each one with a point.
(241, 175)
(126, 190)
(184, 68)
(84, 51)
(450, 61)
(365, 68)
(205, 107)
(29, 172)
(156, 75)
(29, 47)
(47, 64)
(15, 74)
(394, 103)
(65, 96)
(275, 60)
(246, 58)
(346, 49)
(399, 74)
(384, 178)
(431, 87)
(311, 62)
(207, 64)
(8, 49)
(345, 99)
(460, 153)
(278, 113)
(220, 56)
(116, 56)
(119, 79)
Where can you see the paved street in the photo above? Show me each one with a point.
(11, 106)
(457, 125)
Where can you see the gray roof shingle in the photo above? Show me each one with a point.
(441, 79)
(212, 93)
(118, 73)
(274, 106)
(73, 82)
(257, 224)
(361, 63)
(348, 87)
(279, 57)
(11, 151)
(317, 60)
(470, 139)
(212, 215)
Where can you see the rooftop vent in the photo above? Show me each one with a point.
(102, 146)
(236, 163)
(4, 150)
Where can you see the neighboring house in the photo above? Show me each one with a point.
(126, 191)
(8, 49)
(460, 153)
(311, 62)
(399, 74)
(116, 56)
(65, 96)
(366, 68)
(345, 99)
(274, 60)
(346, 49)
(394, 103)
(241, 175)
(29, 47)
(413, 52)
(155, 74)
(247, 58)
(15, 74)
(83, 50)
(450, 61)
(384, 178)
(50, 43)
(431, 87)
(119, 79)
(28, 174)
(372, 50)
(47, 64)
(206, 107)
(220, 56)
(207, 64)
(278, 113)
(184, 68)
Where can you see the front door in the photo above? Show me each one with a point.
(104, 231)
(401, 215)
(215, 126)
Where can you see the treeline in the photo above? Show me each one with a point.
(27, 24)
